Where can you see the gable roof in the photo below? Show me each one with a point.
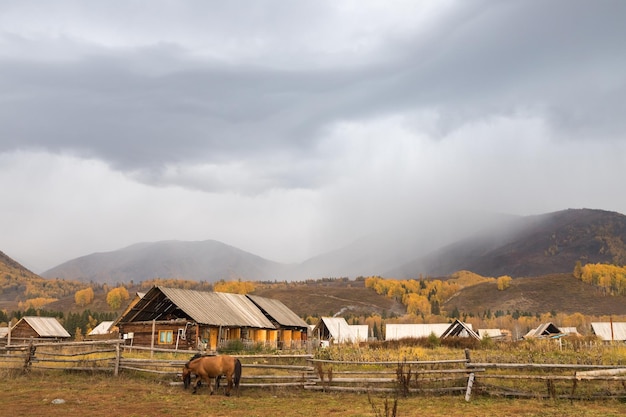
(210, 308)
(45, 326)
(603, 330)
(544, 330)
(460, 329)
(102, 328)
(278, 311)
(338, 329)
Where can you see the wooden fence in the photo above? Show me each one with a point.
(460, 376)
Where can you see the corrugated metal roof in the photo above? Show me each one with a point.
(492, 333)
(338, 328)
(278, 311)
(361, 331)
(603, 330)
(401, 331)
(46, 326)
(569, 330)
(102, 328)
(216, 308)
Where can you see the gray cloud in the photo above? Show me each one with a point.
(371, 111)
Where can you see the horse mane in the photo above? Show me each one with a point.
(193, 358)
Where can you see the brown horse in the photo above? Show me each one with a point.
(207, 367)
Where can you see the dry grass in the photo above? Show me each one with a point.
(100, 396)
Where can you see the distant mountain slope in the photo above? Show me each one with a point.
(13, 276)
(506, 245)
(531, 246)
(561, 293)
(208, 260)
(11, 266)
(381, 252)
(17, 284)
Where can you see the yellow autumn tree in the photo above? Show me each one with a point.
(504, 282)
(84, 297)
(234, 287)
(416, 304)
(611, 278)
(116, 297)
(35, 303)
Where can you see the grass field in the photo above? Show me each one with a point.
(107, 396)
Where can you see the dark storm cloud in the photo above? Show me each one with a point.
(313, 122)
(100, 107)
(144, 108)
(560, 60)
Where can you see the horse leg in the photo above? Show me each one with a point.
(198, 383)
(229, 380)
(195, 384)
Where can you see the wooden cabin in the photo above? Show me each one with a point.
(34, 327)
(184, 319)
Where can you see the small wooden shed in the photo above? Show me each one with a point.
(337, 330)
(39, 328)
(460, 329)
(544, 331)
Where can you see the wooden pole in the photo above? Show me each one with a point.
(152, 339)
(468, 358)
(116, 371)
(470, 380)
(470, 383)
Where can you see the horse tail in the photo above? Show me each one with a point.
(237, 377)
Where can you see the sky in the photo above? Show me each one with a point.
(291, 128)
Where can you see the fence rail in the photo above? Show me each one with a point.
(461, 376)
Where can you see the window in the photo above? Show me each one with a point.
(166, 337)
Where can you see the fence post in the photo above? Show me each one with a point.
(29, 356)
(116, 371)
(470, 380)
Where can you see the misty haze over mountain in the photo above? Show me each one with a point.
(490, 245)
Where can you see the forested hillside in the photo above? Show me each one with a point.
(590, 292)
(20, 286)
(531, 246)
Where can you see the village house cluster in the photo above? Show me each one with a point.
(170, 318)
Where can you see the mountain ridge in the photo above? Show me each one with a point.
(515, 246)
(193, 260)
(535, 245)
